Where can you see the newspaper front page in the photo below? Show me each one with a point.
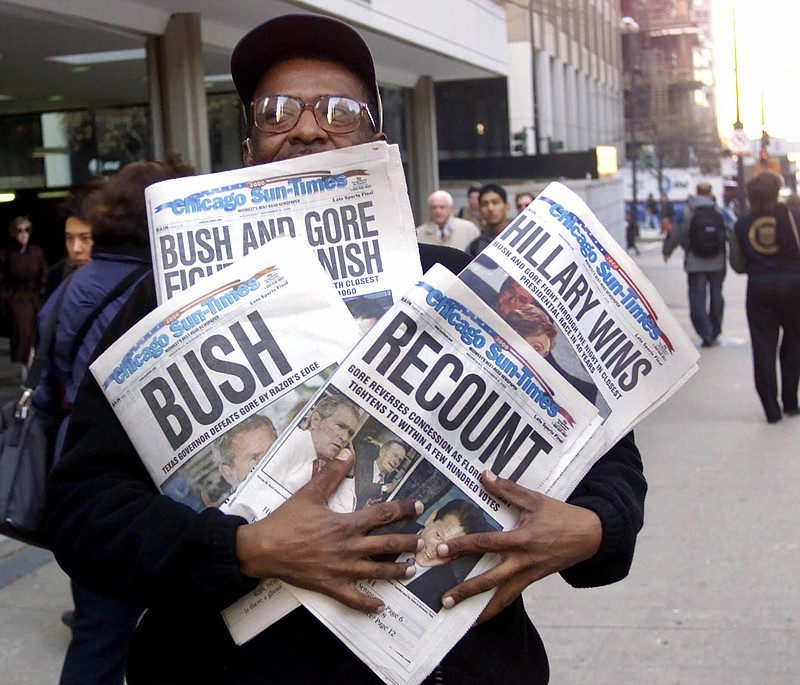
(206, 382)
(350, 205)
(616, 341)
(439, 390)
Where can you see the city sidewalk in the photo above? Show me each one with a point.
(712, 596)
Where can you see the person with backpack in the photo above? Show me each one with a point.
(703, 233)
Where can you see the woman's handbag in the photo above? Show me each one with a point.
(24, 464)
(26, 452)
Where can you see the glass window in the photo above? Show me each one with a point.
(472, 118)
(226, 131)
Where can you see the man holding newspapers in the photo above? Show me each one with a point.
(308, 85)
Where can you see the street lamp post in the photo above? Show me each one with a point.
(630, 27)
(741, 203)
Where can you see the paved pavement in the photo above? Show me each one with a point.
(712, 596)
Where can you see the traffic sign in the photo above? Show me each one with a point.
(740, 143)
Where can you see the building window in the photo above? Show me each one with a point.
(472, 118)
(226, 131)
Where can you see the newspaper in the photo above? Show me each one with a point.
(246, 347)
(450, 384)
(617, 341)
(460, 373)
(351, 205)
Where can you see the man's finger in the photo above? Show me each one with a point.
(386, 512)
(474, 543)
(347, 594)
(512, 492)
(380, 545)
(400, 570)
(325, 482)
(474, 586)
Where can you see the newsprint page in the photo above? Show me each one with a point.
(350, 205)
(243, 349)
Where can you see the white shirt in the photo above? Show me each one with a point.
(292, 466)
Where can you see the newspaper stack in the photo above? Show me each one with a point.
(464, 374)
(447, 378)
(539, 356)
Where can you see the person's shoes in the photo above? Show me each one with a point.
(792, 412)
(708, 343)
(66, 618)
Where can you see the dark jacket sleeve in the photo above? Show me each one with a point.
(108, 526)
(614, 488)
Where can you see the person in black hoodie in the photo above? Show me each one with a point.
(768, 242)
(109, 527)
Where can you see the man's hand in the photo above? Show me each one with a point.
(306, 544)
(550, 536)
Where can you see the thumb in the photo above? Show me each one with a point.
(331, 474)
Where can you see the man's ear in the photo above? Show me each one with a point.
(247, 155)
(227, 473)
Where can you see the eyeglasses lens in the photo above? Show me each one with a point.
(333, 113)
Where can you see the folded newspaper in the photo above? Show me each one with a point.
(451, 389)
(351, 205)
(232, 358)
(613, 336)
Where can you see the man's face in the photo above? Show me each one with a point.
(493, 211)
(390, 457)
(330, 435)
(512, 296)
(248, 448)
(433, 534)
(78, 236)
(472, 198)
(440, 210)
(306, 79)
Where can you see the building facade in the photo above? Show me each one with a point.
(88, 85)
(669, 78)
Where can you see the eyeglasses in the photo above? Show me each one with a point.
(333, 113)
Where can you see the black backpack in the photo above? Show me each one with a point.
(706, 231)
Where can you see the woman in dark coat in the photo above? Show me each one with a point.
(24, 276)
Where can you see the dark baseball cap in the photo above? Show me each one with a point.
(314, 35)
